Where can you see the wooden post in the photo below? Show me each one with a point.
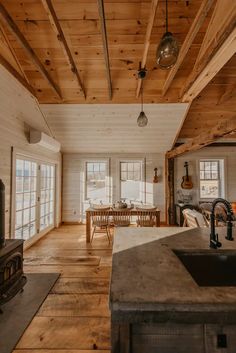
(170, 193)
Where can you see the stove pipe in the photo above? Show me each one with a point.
(2, 214)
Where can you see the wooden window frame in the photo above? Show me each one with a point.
(142, 162)
(221, 177)
(107, 177)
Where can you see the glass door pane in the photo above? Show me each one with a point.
(25, 199)
(47, 192)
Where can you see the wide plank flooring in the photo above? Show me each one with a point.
(75, 317)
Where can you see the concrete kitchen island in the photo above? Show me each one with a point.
(156, 306)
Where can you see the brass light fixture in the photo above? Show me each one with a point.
(168, 49)
(142, 118)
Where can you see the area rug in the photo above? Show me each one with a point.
(18, 312)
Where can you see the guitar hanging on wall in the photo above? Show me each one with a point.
(186, 180)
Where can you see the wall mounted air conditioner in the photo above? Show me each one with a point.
(43, 140)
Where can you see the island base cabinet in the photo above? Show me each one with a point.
(220, 338)
(173, 338)
(167, 338)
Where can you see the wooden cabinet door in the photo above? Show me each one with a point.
(167, 338)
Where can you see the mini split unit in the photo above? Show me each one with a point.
(41, 139)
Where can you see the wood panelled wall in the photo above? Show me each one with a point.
(227, 153)
(73, 181)
(19, 111)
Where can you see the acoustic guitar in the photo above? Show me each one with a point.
(186, 180)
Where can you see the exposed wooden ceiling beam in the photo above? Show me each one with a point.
(222, 56)
(16, 74)
(105, 44)
(223, 128)
(60, 36)
(26, 46)
(147, 41)
(217, 48)
(194, 29)
(14, 56)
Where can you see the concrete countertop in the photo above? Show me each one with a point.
(148, 276)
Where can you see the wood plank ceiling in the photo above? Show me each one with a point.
(126, 25)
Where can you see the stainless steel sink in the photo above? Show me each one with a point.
(210, 269)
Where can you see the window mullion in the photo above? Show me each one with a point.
(38, 197)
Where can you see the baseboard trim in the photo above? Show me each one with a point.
(72, 223)
(28, 243)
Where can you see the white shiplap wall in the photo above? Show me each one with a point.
(18, 111)
(227, 153)
(98, 128)
(73, 181)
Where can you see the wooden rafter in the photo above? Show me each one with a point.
(147, 41)
(217, 48)
(26, 46)
(13, 52)
(105, 44)
(194, 29)
(16, 74)
(221, 57)
(61, 37)
(223, 128)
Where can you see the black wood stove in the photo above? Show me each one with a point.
(12, 279)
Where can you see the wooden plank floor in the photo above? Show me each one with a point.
(75, 317)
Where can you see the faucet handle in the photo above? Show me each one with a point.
(215, 243)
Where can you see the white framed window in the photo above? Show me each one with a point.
(211, 178)
(96, 181)
(34, 197)
(131, 180)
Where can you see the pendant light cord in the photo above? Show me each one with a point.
(166, 16)
(142, 99)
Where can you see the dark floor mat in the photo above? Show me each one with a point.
(18, 312)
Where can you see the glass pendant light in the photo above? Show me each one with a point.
(142, 119)
(168, 49)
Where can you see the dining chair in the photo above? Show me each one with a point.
(100, 222)
(146, 217)
(121, 218)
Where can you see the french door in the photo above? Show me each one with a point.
(34, 197)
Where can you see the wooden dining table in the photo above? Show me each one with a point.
(133, 212)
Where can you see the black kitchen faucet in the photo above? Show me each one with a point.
(214, 242)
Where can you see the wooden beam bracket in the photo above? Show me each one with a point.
(223, 128)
